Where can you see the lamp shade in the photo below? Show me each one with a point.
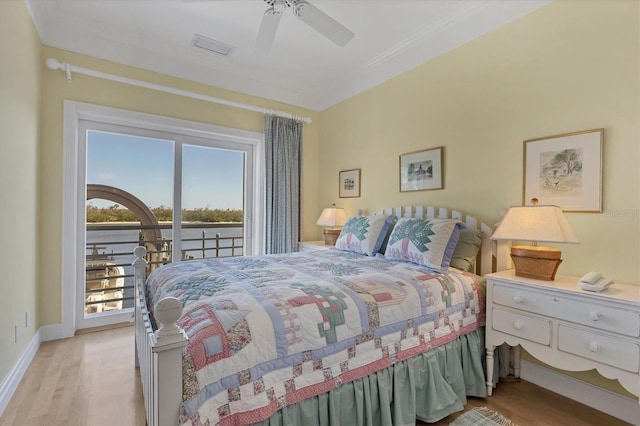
(535, 224)
(332, 216)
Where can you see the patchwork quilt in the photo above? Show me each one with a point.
(267, 331)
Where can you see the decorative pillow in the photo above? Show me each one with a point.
(466, 251)
(365, 234)
(428, 242)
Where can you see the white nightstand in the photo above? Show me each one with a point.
(564, 326)
(308, 246)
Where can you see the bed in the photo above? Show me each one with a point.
(376, 331)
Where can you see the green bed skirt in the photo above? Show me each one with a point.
(427, 387)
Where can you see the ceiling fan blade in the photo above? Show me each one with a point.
(323, 23)
(268, 28)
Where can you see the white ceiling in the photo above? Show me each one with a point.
(303, 68)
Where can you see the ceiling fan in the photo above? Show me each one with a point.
(307, 13)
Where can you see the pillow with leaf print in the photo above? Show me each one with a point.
(365, 234)
(428, 242)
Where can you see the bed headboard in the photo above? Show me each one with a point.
(491, 255)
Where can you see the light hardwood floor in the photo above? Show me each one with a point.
(527, 404)
(90, 379)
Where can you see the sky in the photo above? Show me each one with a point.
(212, 177)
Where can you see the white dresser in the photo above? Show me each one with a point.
(308, 246)
(564, 326)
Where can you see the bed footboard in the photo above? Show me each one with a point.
(159, 353)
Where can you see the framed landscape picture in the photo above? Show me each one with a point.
(421, 170)
(565, 170)
(349, 181)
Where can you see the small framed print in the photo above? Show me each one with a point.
(421, 170)
(349, 181)
(565, 170)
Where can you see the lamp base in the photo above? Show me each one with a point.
(331, 236)
(540, 263)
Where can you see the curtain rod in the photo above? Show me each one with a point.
(54, 64)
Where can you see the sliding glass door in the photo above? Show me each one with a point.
(181, 196)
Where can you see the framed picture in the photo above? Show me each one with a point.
(421, 170)
(565, 170)
(349, 183)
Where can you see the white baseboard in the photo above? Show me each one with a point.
(10, 383)
(51, 332)
(609, 402)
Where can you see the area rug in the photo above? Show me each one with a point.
(482, 416)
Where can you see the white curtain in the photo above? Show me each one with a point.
(283, 146)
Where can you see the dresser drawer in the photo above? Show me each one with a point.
(586, 312)
(530, 328)
(598, 347)
(601, 317)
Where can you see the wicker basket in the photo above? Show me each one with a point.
(540, 263)
(331, 236)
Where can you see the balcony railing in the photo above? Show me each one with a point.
(109, 254)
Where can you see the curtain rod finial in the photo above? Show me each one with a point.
(54, 64)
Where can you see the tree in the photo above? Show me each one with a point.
(569, 159)
(356, 226)
(116, 213)
(417, 231)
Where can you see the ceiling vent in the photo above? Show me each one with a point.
(211, 45)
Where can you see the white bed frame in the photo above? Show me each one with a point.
(159, 353)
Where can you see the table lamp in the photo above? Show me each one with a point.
(333, 218)
(536, 224)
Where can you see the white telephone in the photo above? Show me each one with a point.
(594, 281)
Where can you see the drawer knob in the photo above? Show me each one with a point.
(518, 299)
(518, 325)
(595, 316)
(594, 347)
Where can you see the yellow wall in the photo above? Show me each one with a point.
(570, 66)
(118, 95)
(20, 93)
